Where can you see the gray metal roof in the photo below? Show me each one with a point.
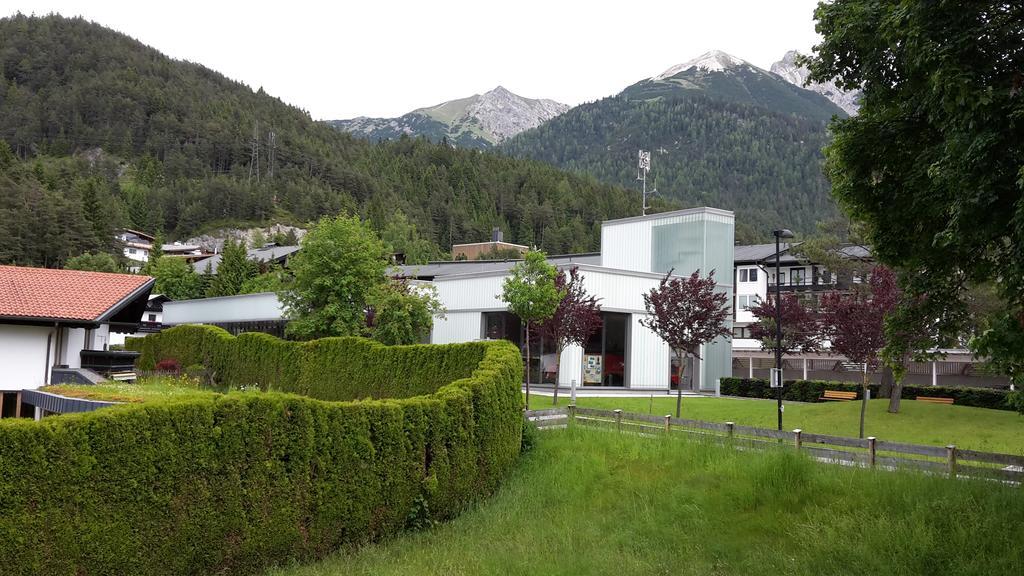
(265, 254)
(758, 253)
(435, 269)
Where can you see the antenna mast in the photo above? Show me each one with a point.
(643, 166)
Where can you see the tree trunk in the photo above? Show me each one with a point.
(896, 394)
(679, 386)
(558, 367)
(527, 365)
(863, 402)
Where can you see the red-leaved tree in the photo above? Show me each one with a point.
(577, 317)
(800, 330)
(685, 313)
(854, 323)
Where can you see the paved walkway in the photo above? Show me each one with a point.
(605, 392)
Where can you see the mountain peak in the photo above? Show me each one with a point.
(848, 100)
(714, 60)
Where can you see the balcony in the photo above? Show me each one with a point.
(108, 361)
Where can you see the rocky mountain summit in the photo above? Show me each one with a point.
(479, 121)
(797, 75)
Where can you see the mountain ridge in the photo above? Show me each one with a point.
(477, 121)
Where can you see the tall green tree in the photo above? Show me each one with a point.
(402, 313)
(341, 262)
(175, 278)
(531, 294)
(933, 164)
(234, 270)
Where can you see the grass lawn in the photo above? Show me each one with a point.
(918, 422)
(588, 501)
(154, 388)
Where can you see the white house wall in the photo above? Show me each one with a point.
(23, 356)
(456, 327)
(627, 246)
(649, 358)
(241, 308)
(72, 344)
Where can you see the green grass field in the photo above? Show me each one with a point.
(918, 422)
(588, 501)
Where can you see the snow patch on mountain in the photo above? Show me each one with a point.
(848, 100)
(713, 61)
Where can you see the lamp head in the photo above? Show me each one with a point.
(783, 233)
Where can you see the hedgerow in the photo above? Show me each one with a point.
(230, 484)
(812, 391)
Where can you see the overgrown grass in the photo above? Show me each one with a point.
(590, 501)
(917, 422)
(151, 388)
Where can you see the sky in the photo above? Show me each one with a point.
(383, 58)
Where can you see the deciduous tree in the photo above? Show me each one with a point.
(403, 313)
(933, 163)
(95, 262)
(577, 316)
(854, 323)
(531, 294)
(686, 313)
(340, 264)
(175, 278)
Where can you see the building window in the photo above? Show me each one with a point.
(739, 331)
(747, 301)
(152, 317)
(131, 250)
(748, 275)
(743, 275)
(753, 274)
(797, 276)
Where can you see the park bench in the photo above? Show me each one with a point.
(838, 395)
(934, 399)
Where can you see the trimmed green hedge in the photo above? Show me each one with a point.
(328, 369)
(233, 483)
(812, 390)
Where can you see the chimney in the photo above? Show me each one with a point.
(496, 235)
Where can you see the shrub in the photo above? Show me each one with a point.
(230, 484)
(812, 390)
(168, 365)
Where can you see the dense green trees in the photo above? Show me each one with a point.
(175, 278)
(168, 147)
(95, 262)
(233, 271)
(764, 165)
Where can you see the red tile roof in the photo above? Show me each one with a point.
(63, 294)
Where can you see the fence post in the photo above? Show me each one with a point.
(729, 428)
(797, 439)
(668, 423)
(618, 419)
(17, 405)
(951, 459)
(871, 451)
(572, 412)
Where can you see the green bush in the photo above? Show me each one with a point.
(812, 390)
(794, 390)
(230, 484)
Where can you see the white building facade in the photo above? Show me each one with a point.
(636, 253)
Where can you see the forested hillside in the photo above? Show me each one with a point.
(104, 131)
(709, 146)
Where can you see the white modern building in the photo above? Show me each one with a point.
(636, 253)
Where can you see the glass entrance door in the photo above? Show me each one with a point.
(605, 353)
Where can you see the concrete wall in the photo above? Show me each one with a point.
(23, 356)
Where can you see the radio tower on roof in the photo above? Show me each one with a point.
(643, 166)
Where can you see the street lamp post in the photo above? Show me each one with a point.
(779, 234)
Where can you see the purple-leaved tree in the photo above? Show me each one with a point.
(577, 316)
(685, 313)
(800, 331)
(854, 323)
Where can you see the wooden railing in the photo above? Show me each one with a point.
(867, 452)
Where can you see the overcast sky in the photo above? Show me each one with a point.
(339, 59)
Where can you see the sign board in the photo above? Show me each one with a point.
(776, 379)
(592, 370)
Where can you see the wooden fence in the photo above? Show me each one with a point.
(867, 452)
